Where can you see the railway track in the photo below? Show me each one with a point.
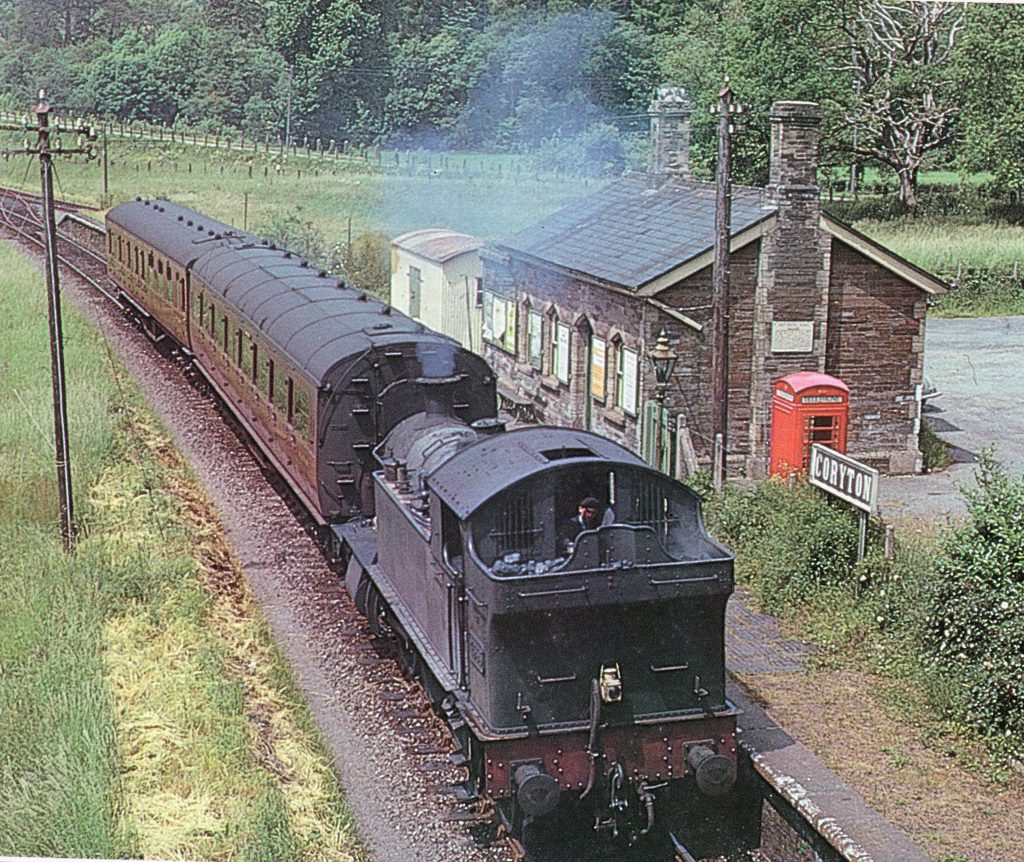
(21, 218)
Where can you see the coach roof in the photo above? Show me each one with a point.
(313, 319)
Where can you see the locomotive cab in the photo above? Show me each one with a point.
(599, 657)
(590, 669)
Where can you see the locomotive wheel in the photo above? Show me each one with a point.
(408, 658)
(377, 613)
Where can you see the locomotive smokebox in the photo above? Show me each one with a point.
(715, 773)
(538, 792)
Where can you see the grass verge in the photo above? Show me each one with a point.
(983, 263)
(144, 708)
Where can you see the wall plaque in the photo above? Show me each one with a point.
(792, 336)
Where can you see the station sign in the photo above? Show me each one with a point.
(843, 477)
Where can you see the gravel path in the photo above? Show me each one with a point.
(390, 787)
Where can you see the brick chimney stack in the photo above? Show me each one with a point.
(794, 153)
(670, 112)
(791, 301)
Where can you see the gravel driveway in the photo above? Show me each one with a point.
(977, 364)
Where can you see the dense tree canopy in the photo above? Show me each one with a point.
(897, 80)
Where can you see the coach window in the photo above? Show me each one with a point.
(238, 347)
(301, 410)
(224, 331)
(181, 289)
(290, 407)
(211, 324)
(279, 391)
(253, 367)
(266, 382)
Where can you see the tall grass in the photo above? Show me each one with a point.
(943, 246)
(983, 263)
(60, 788)
(144, 708)
(484, 195)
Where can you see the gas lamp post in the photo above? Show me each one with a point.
(664, 362)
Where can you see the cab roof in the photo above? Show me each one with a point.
(479, 472)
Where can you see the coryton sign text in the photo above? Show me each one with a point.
(843, 477)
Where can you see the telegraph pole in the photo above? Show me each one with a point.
(720, 286)
(46, 150)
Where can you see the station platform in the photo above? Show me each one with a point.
(791, 771)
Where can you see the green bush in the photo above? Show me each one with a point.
(974, 639)
(934, 450)
(790, 542)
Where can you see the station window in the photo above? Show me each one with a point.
(535, 338)
(626, 369)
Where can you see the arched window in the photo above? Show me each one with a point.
(560, 346)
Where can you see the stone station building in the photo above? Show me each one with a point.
(573, 305)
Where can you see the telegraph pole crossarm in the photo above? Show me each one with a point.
(46, 149)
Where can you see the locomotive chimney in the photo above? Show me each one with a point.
(439, 393)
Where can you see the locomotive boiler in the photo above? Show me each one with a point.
(577, 674)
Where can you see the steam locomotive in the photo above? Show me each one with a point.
(586, 675)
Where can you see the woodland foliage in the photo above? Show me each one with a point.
(899, 82)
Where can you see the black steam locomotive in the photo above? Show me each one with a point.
(574, 674)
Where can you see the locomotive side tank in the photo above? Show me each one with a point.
(592, 670)
(316, 372)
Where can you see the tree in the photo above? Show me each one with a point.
(333, 48)
(432, 78)
(903, 98)
(988, 72)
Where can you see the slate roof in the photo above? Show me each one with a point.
(437, 244)
(630, 233)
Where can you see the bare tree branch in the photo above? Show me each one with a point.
(896, 54)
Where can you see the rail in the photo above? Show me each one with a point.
(20, 216)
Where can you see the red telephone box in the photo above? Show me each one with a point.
(807, 407)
